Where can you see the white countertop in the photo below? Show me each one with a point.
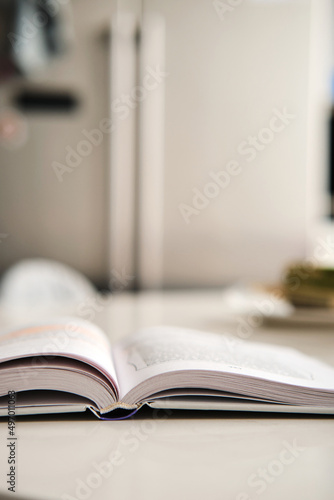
(217, 456)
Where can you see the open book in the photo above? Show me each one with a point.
(68, 365)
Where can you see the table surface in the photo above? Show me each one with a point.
(184, 455)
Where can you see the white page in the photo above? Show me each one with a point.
(70, 337)
(164, 350)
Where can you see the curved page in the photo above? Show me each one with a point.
(67, 337)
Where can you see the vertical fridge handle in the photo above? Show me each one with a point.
(123, 78)
(151, 152)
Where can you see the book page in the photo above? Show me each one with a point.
(163, 350)
(68, 337)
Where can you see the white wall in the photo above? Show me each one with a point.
(226, 76)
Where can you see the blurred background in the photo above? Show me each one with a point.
(165, 144)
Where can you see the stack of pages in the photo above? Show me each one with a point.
(68, 365)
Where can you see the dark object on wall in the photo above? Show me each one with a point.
(8, 9)
(31, 34)
(39, 101)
